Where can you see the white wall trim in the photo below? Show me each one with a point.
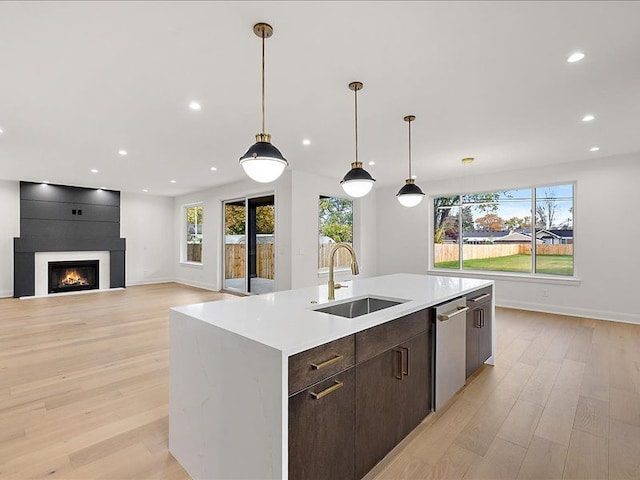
(203, 285)
(150, 281)
(608, 316)
(6, 293)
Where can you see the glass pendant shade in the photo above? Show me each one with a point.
(357, 182)
(263, 162)
(410, 195)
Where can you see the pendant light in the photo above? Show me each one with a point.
(357, 182)
(263, 162)
(410, 195)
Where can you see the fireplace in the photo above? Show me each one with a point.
(73, 276)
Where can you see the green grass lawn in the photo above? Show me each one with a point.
(547, 264)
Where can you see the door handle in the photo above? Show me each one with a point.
(336, 385)
(481, 297)
(406, 351)
(443, 317)
(326, 363)
(477, 319)
(398, 364)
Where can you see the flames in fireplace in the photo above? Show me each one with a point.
(72, 278)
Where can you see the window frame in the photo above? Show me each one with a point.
(184, 238)
(498, 274)
(323, 272)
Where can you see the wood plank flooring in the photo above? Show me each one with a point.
(84, 395)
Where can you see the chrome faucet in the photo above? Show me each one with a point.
(354, 266)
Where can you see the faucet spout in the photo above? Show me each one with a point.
(332, 256)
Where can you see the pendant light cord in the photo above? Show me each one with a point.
(263, 130)
(356, 108)
(409, 148)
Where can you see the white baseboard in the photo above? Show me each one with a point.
(149, 281)
(6, 293)
(572, 311)
(204, 286)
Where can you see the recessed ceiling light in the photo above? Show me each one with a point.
(213, 169)
(145, 190)
(575, 57)
(588, 118)
(195, 106)
(594, 149)
(1, 130)
(372, 162)
(172, 181)
(306, 141)
(122, 152)
(93, 170)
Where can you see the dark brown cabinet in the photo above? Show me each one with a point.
(341, 424)
(479, 326)
(393, 395)
(321, 430)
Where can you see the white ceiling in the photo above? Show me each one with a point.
(81, 80)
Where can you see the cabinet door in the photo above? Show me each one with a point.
(484, 336)
(473, 331)
(414, 402)
(378, 382)
(321, 430)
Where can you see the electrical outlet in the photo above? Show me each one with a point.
(545, 293)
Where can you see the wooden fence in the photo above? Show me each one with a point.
(343, 259)
(194, 252)
(234, 265)
(448, 252)
(235, 255)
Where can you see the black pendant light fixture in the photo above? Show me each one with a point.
(357, 182)
(410, 195)
(263, 162)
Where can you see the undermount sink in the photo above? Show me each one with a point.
(357, 308)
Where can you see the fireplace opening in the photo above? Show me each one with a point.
(73, 276)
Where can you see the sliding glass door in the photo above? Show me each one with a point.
(249, 249)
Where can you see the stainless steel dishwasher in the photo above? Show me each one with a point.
(451, 325)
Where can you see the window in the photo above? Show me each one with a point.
(194, 217)
(335, 225)
(494, 231)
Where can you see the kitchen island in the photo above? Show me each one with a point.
(229, 365)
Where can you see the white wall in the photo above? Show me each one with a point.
(146, 221)
(606, 230)
(306, 191)
(10, 228)
(296, 198)
(209, 274)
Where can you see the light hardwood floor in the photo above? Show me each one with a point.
(84, 393)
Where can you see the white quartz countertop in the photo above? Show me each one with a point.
(286, 320)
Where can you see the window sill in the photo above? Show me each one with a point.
(192, 264)
(336, 271)
(574, 281)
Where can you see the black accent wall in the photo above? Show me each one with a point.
(60, 218)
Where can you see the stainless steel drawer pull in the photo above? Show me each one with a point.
(446, 316)
(481, 297)
(337, 385)
(331, 361)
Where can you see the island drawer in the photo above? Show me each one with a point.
(315, 364)
(479, 297)
(376, 340)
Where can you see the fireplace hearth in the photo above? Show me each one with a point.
(73, 276)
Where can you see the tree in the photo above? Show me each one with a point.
(234, 219)
(491, 222)
(336, 219)
(515, 223)
(546, 211)
(484, 202)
